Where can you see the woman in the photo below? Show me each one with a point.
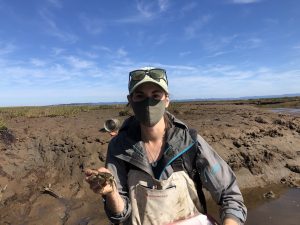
(148, 188)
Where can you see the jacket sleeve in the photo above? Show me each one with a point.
(118, 168)
(218, 178)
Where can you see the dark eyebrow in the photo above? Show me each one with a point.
(157, 91)
(139, 92)
(153, 92)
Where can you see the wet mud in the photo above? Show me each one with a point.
(262, 148)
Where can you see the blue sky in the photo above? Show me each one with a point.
(66, 51)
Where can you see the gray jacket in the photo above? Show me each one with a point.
(126, 151)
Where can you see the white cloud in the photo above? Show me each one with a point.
(43, 73)
(56, 3)
(121, 53)
(145, 8)
(57, 51)
(61, 76)
(146, 11)
(230, 81)
(151, 8)
(244, 1)
(249, 43)
(92, 25)
(188, 7)
(78, 63)
(297, 47)
(271, 21)
(163, 4)
(191, 31)
(89, 54)
(161, 39)
(37, 62)
(102, 48)
(215, 44)
(52, 29)
(63, 36)
(132, 19)
(6, 48)
(112, 54)
(46, 16)
(175, 69)
(182, 54)
(218, 53)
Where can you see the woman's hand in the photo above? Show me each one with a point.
(229, 221)
(105, 185)
(101, 181)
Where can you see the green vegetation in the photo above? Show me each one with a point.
(51, 111)
(285, 102)
(125, 112)
(2, 125)
(288, 102)
(175, 107)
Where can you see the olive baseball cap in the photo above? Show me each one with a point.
(148, 74)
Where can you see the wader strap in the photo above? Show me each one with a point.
(188, 163)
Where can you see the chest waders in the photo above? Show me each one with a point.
(159, 202)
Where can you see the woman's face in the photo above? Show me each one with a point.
(149, 90)
(149, 102)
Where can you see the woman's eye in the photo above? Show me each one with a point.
(138, 97)
(157, 96)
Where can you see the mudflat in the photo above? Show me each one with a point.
(48, 148)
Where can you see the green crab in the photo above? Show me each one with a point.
(103, 178)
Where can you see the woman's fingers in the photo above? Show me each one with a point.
(102, 187)
(103, 169)
(89, 172)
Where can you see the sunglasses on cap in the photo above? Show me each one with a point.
(155, 74)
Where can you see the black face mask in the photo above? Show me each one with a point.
(149, 111)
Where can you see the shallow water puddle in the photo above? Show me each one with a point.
(292, 111)
(284, 210)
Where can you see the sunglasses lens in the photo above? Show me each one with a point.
(137, 74)
(157, 73)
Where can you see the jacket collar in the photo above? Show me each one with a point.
(132, 149)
